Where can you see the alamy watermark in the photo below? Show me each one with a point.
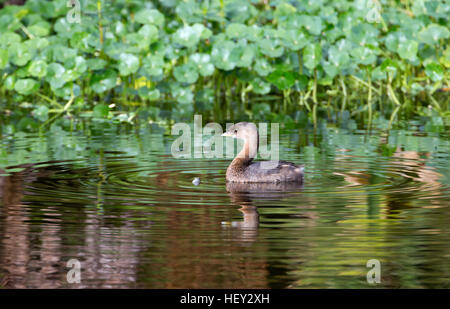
(74, 274)
(192, 144)
(74, 15)
(374, 274)
(374, 13)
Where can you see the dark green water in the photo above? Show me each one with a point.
(116, 200)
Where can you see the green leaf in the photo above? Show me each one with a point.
(189, 36)
(10, 82)
(313, 24)
(149, 94)
(433, 33)
(364, 55)
(96, 64)
(260, 86)
(271, 48)
(67, 90)
(149, 16)
(3, 58)
(41, 28)
(55, 75)
(103, 81)
(100, 111)
(281, 79)
(202, 63)
(150, 33)
(26, 86)
(293, 39)
(337, 57)
(183, 95)
(390, 67)
(81, 41)
(19, 54)
(408, 50)
(40, 113)
(153, 65)
(262, 67)
(186, 73)
(37, 43)
(154, 95)
(221, 55)
(236, 30)
(434, 71)
(128, 64)
(62, 53)
(9, 38)
(38, 68)
(243, 55)
(312, 55)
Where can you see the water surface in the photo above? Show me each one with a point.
(115, 199)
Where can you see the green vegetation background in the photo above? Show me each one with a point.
(129, 60)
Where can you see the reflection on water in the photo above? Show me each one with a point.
(243, 194)
(130, 214)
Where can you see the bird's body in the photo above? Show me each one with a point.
(244, 170)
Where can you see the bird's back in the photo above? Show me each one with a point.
(266, 171)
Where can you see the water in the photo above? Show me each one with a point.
(116, 200)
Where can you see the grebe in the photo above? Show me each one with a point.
(242, 169)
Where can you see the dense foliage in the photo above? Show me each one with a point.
(130, 58)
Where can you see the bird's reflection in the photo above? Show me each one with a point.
(246, 194)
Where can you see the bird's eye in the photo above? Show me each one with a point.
(235, 131)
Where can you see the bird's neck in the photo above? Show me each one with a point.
(248, 152)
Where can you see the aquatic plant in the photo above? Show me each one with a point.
(219, 57)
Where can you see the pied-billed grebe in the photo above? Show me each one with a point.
(242, 169)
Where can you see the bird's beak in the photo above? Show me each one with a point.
(226, 134)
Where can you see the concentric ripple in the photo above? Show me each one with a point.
(134, 218)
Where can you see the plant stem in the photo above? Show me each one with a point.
(369, 98)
